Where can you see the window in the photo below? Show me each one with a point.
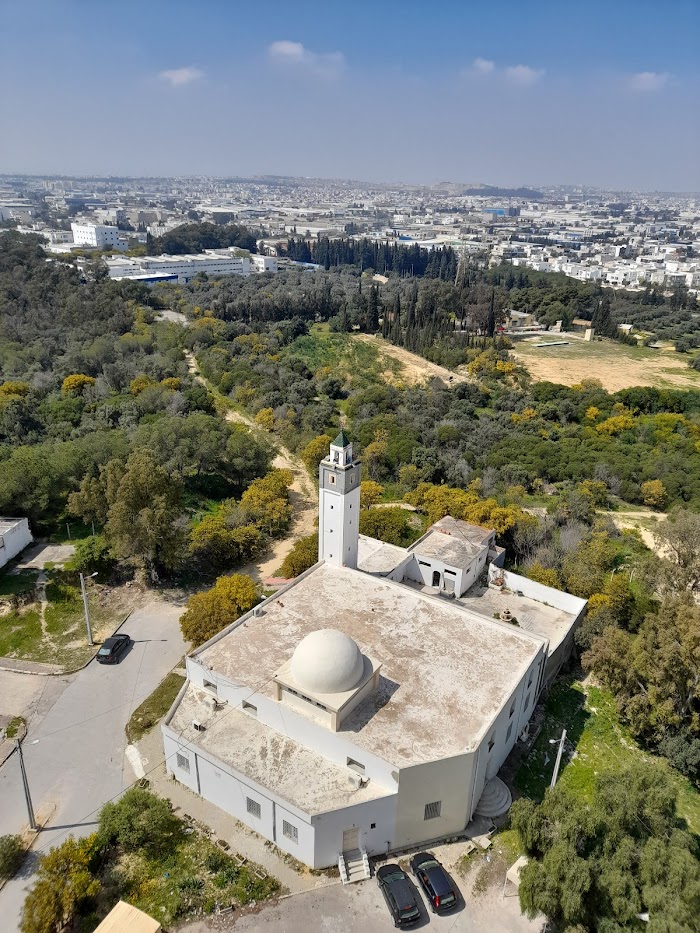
(183, 762)
(372, 825)
(208, 685)
(529, 680)
(452, 573)
(253, 807)
(491, 744)
(291, 832)
(432, 810)
(512, 710)
(331, 479)
(249, 708)
(509, 732)
(424, 563)
(527, 701)
(355, 766)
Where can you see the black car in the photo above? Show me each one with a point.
(434, 881)
(113, 648)
(398, 894)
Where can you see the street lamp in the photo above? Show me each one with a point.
(85, 605)
(560, 743)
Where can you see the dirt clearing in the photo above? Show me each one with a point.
(616, 365)
(415, 368)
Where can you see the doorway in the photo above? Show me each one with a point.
(436, 578)
(351, 840)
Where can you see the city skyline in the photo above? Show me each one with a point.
(504, 96)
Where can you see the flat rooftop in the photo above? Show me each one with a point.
(531, 615)
(377, 557)
(306, 779)
(446, 673)
(7, 524)
(450, 548)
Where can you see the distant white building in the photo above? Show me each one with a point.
(98, 236)
(369, 705)
(14, 537)
(213, 262)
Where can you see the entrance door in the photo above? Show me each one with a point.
(436, 578)
(351, 840)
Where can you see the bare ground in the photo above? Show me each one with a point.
(617, 366)
(415, 368)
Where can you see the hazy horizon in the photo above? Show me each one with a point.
(500, 95)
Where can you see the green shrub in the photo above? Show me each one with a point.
(11, 855)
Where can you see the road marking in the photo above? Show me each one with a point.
(132, 753)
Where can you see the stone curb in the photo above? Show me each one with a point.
(59, 673)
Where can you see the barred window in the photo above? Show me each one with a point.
(183, 762)
(432, 810)
(252, 806)
(291, 832)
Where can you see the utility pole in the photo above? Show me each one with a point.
(559, 754)
(86, 608)
(25, 782)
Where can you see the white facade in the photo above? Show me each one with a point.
(14, 537)
(339, 505)
(212, 262)
(98, 236)
(259, 263)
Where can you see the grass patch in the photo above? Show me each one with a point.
(154, 707)
(20, 633)
(601, 743)
(13, 727)
(15, 584)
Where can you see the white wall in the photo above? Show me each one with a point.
(541, 593)
(449, 781)
(329, 828)
(14, 540)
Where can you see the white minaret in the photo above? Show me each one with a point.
(339, 505)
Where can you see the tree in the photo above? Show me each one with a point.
(92, 555)
(76, 384)
(210, 612)
(144, 519)
(303, 555)
(370, 493)
(596, 865)
(217, 544)
(654, 493)
(679, 536)
(315, 451)
(391, 525)
(12, 854)
(138, 820)
(64, 882)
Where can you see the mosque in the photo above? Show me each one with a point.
(369, 704)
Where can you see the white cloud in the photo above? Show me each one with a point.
(482, 66)
(179, 76)
(323, 64)
(648, 80)
(523, 74)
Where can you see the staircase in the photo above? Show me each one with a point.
(354, 866)
(495, 800)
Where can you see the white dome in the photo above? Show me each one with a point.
(327, 661)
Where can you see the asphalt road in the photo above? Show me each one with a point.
(74, 755)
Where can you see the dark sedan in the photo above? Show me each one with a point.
(113, 648)
(435, 882)
(398, 894)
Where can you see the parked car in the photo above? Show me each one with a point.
(398, 894)
(435, 882)
(113, 648)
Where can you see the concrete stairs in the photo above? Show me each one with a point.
(354, 866)
(495, 800)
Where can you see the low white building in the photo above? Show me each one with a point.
(366, 706)
(212, 262)
(14, 537)
(98, 236)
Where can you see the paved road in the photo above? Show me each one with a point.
(360, 908)
(75, 754)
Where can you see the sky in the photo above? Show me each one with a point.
(502, 92)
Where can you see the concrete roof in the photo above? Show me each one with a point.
(377, 557)
(304, 778)
(477, 534)
(452, 549)
(532, 616)
(446, 671)
(7, 524)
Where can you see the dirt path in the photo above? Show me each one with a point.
(415, 368)
(634, 520)
(302, 493)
